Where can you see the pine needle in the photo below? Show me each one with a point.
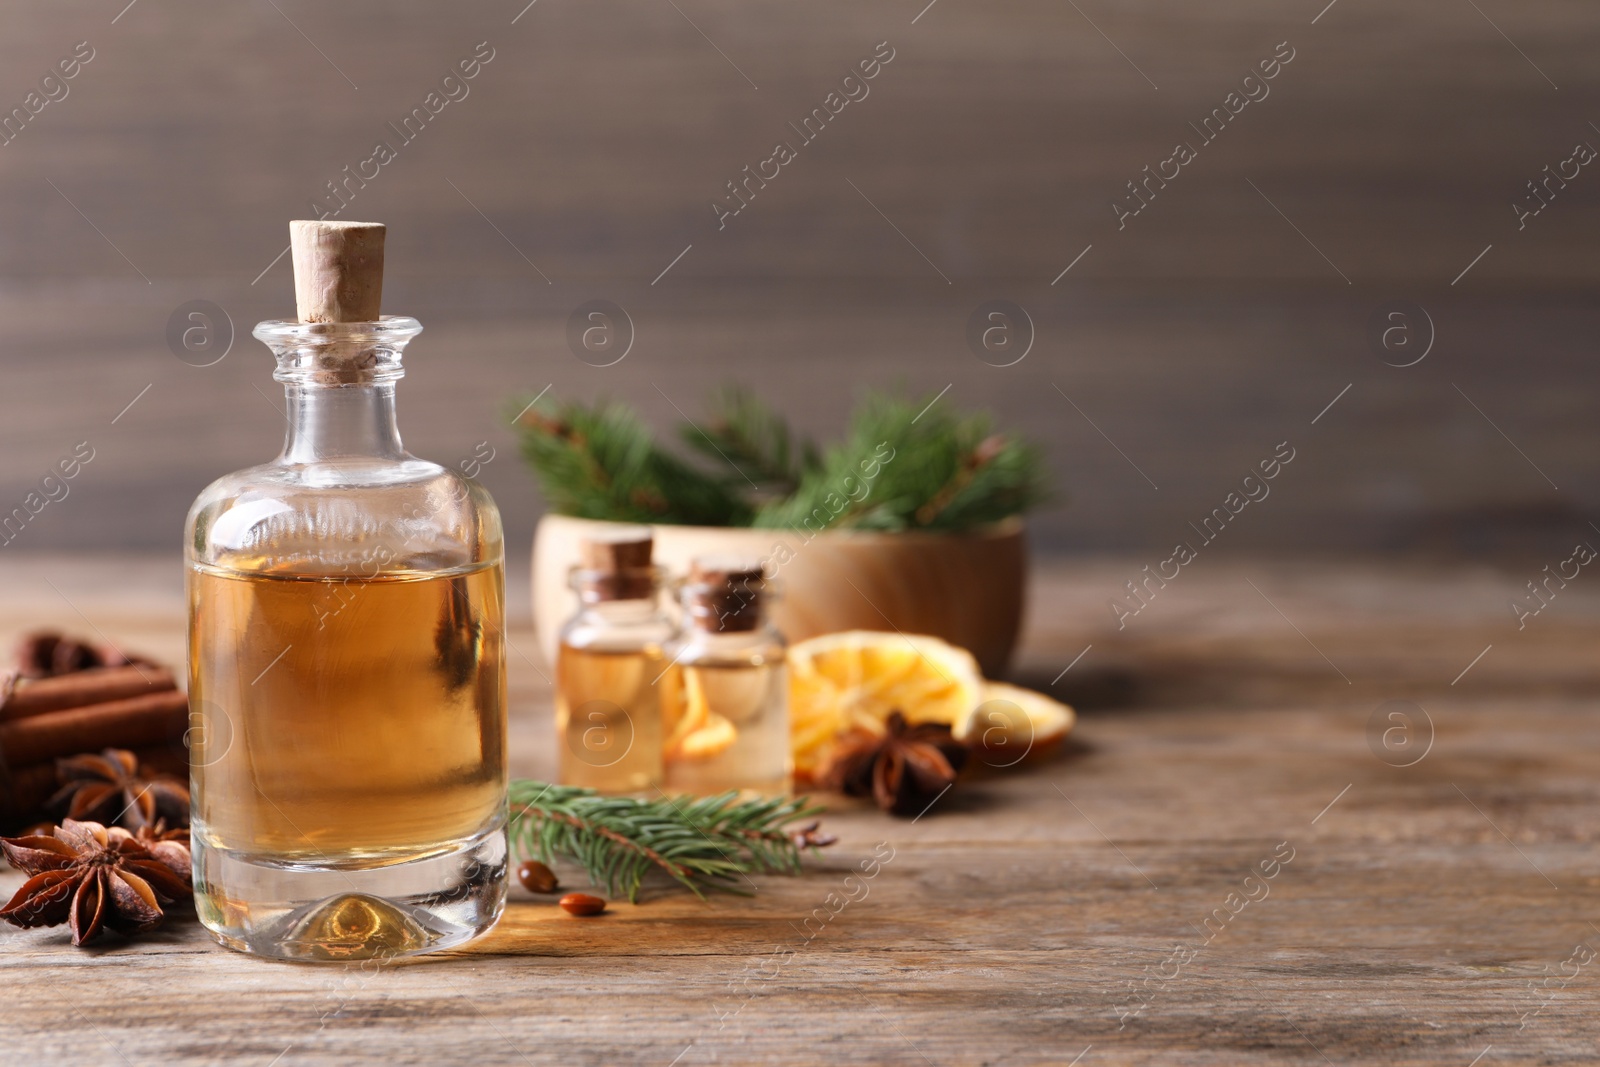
(601, 462)
(905, 464)
(756, 440)
(705, 843)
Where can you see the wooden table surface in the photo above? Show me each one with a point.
(1093, 909)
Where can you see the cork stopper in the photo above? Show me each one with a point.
(615, 565)
(723, 594)
(338, 270)
(618, 551)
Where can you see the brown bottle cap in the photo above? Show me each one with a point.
(734, 571)
(338, 270)
(618, 563)
(615, 551)
(724, 593)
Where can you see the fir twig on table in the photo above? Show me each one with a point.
(703, 843)
(621, 840)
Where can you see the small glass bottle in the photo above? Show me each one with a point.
(609, 667)
(346, 656)
(726, 706)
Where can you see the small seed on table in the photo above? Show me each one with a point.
(536, 877)
(582, 904)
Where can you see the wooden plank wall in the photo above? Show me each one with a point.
(585, 156)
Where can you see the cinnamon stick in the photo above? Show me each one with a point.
(24, 698)
(151, 720)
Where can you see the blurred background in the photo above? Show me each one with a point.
(1171, 350)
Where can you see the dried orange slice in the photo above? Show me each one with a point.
(682, 711)
(690, 729)
(853, 680)
(712, 739)
(1013, 724)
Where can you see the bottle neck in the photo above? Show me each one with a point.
(341, 422)
(716, 641)
(621, 612)
(723, 608)
(339, 380)
(608, 588)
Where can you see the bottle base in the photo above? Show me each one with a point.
(335, 913)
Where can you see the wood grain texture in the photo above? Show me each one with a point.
(589, 151)
(1013, 922)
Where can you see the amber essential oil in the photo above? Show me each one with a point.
(370, 717)
(609, 668)
(608, 717)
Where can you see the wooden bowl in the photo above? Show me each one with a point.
(965, 588)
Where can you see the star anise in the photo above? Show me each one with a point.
(92, 877)
(169, 846)
(904, 769)
(110, 787)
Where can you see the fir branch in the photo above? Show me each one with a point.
(907, 466)
(601, 462)
(904, 465)
(703, 843)
(616, 837)
(745, 432)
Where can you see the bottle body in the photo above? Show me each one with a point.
(609, 672)
(726, 714)
(725, 704)
(346, 680)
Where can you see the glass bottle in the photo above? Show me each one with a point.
(346, 675)
(726, 703)
(609, 668)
